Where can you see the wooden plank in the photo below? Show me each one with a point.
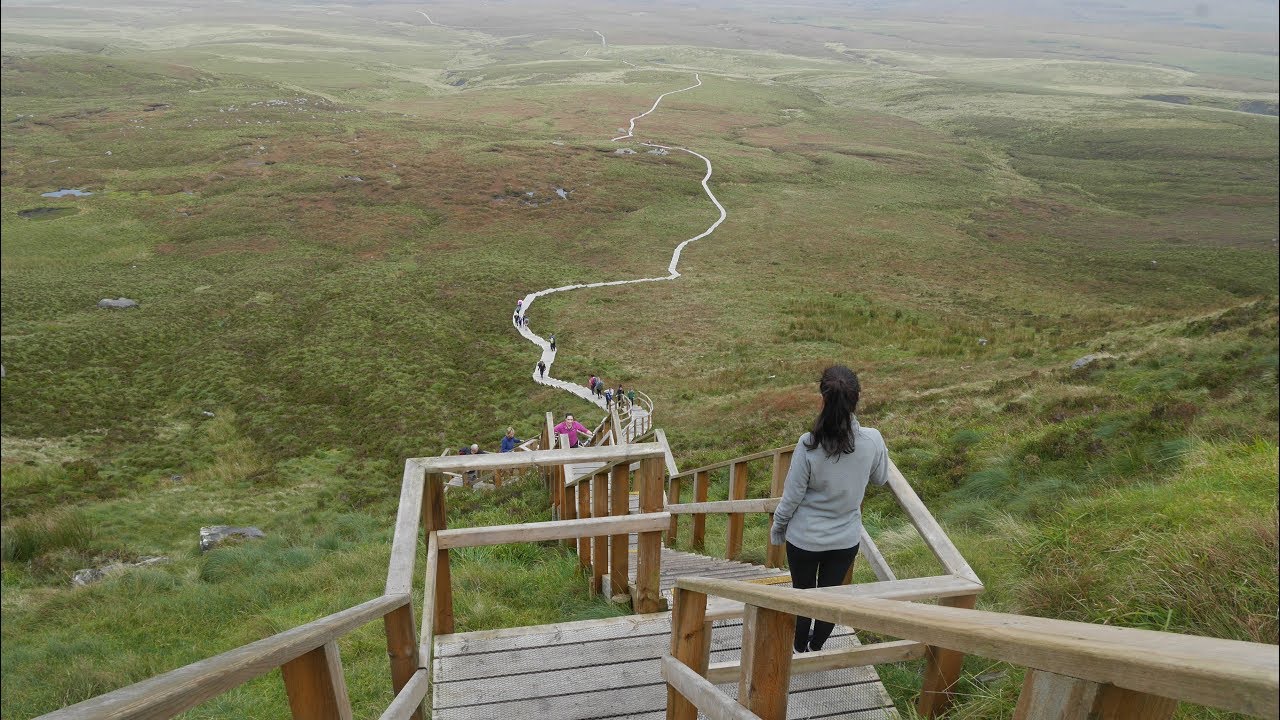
(649, 544)
(879, 566)
(407, 704)
(701, 485)
(402, 649)
(776, 555)
(584, 511)
(759, 505)
(430, 596)
(404, 544)
(1115, 703)
(926, 588)
(1049, 696)
(600, 543)
(709, 700)
(737, 521)
(942, 668)
(619, 506)
(930, 531)
(690, 645)
(494, 461)
(315, 685)
(181, 689)
(765, 676)
(743, 459)
(832, 659)
(435, 514)
(660, 437)
(1227, 674)
(554, 530)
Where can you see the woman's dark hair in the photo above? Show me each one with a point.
(833, 429)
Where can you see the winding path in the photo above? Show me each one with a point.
(548, 355)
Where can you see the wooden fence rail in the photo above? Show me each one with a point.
(1078, 670)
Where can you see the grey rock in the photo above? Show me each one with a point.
(215, 535)
(988, 678)
(983, 342)
(206, 413)
(353, 178)
(624, 151)
(117, 304)
(88, 576)
(483, 487)
(659, 151)
(1088, 360)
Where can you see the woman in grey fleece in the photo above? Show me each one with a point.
(820, 514)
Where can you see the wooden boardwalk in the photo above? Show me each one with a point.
(609, 668)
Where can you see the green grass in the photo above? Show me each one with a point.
(889, 206)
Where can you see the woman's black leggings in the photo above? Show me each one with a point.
(816, 569)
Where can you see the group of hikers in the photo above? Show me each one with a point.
(608, 394)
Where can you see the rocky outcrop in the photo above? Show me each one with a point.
(89, 576)
(117, 304)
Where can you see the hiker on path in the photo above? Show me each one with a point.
(631, 396)
(509, 441)
(542, 370)
(553, 343)
(591, 382)
(819, 516)
(599, 388)
(572, 428)
(608, 399)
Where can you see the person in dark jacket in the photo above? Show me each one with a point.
(509, 441)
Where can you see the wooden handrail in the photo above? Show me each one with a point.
(504, 461)
(409, 700)
(709, 700)
(553, 530)
(925, 588)
(181, 689)
(1226, 674)
(745, 458)
(759, 505)
(405, 541)
(820, 660)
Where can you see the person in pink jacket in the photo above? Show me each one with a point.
(572, 428)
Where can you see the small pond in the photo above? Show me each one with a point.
(66, 192)
(47, 213)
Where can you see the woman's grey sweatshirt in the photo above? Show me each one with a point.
(821, 505)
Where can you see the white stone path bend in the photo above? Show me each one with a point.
(548, 355)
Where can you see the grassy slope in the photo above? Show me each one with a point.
(880, 218)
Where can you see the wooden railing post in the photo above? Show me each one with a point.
(737, 521)
(701, 485)
(690, 644)
(1116, 703)
(673, 497)
(600, 543)
(1050, 696)
(765, 679)
(648, 596)
(584, 511)
(570, 511)
(777, 555)
(619, 550)
(315, 685)
(402, 648)
(942, 668)
(434, 518)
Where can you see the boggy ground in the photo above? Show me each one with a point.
(893, 201)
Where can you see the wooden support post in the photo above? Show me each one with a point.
(942, 668)
(737, 521)
(777, 555)
(701, 485)
(673, 497)
(648, 595)
(1116, 703)
(402, 648)
(315, 685)
(600, 543)
(619, 550)
(765, 678)
(690, 644)
(434, 518)
(1049, 696)
(570, 512)
(584, 511)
